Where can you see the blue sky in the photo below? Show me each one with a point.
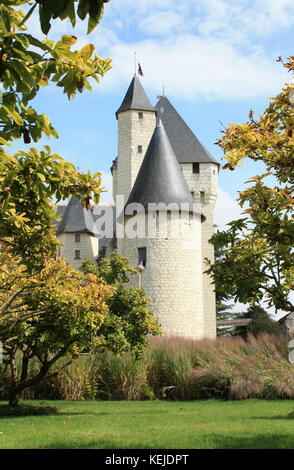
(216, 59)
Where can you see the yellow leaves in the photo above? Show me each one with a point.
(87, 51)
(15, 116)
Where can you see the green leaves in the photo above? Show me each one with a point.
(66, 9)
(30, 180)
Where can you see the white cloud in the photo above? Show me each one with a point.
(106, 183)
(160, 23)
(215, 50)
(226, 210)
(193, 67)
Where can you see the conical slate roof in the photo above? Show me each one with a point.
(77, 219)
(160, 179)
(135, 98)
(186, 146)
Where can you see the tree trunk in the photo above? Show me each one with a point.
(14, 399)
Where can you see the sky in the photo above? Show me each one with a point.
(216, 60)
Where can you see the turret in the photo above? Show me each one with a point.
(136, 123)
(78, 234)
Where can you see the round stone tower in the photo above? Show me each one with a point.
(162, 234)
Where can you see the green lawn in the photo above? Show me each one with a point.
(210, 424)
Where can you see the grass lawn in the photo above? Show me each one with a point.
(209, 424)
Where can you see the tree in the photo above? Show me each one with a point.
(29, 180)
(129, 320)
(55, 313)
(261, 323)
(258, 262)
(223, 309)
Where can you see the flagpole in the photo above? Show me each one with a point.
(135, 63)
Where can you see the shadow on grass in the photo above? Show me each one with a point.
(289, 416)
(212, 441)
(27, 410)
(35, 410)
(100, 444)
(274, 441)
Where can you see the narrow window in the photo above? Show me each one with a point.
(140, 148)
(140, 115)
(192, 192)
(195, 167)
(202, 195)
(142, 256)
(77, 237)
(77, 254)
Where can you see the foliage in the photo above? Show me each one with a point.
(54, 313)
(223, 308)
(258, 250)
(129, 320)
(261, 323)
(29, 180)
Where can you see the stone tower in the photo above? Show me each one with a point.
(136, 123)
(167, 243)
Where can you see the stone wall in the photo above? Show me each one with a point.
(172, 276)
(88, 248)
(204, 186)
(132, 132)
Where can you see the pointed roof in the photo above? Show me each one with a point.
(160, 178)
(185, 144)
(135, 98)
(77, 219)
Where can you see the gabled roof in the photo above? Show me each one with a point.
(77, 219)
(135, 98)
(186, 146)
(160, 179)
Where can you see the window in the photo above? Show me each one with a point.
(140, 148)
(77, 254)
(195, 167)
(192, 193)
(77, 237)
(142, 256)
(202, 195)
(140, 115)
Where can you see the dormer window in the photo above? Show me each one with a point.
(196, 168)
(140, 149)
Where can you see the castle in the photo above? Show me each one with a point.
(165, 188)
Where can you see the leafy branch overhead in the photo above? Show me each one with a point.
(30, 180)
(258, 250)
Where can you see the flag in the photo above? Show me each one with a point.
(140, 70)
